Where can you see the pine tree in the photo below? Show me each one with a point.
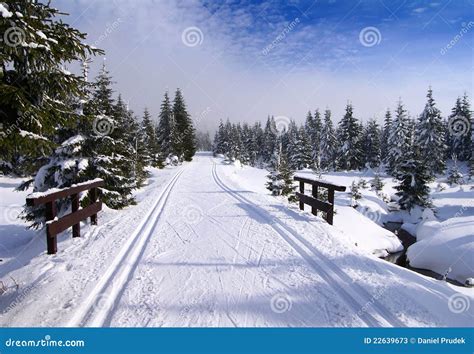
(280, 178)
(184, 138)
(313, 127)
(36, 90)
(455, 176)
(350, 155)
(430, 136)
(328, 143)
(413, 179)
(384, 139)
(166, 127)
(149, 140)
(371, 142)
(269, 139)
(398, 140)
(458, 137)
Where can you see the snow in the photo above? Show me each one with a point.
(445, 247)
(55, 190)
(5, 13)
(207, 245)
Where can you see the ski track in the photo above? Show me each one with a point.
(210, 254)
(98, 306)
(352, 293)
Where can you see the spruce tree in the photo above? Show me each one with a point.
(349, 155)
(413, 180)
(430, 136)
(280, 178)
(35, 88)
(184, 137)
(455, 176)
(269, 140)
(371, 144)
(384, 139)
(166, 127)
(398, 140)
(328, 143)
(149, 140)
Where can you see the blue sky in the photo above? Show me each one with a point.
(247, 59)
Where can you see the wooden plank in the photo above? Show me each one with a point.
(76, 228)
(320, 183)
(302, 192)
(51, 242)
(314, 194)
(93, 199)
(71, 219)
(62, 193)
(330, 213)
(313, 202)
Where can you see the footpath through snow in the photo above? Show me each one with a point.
(203, 249)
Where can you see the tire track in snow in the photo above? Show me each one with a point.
(353, 294)
(98, 307)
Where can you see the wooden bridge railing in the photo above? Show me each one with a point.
(55, 225)
(315, 203)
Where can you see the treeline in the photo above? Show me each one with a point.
(412, 150)
(60, 129)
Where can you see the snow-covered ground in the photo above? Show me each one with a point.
(207, 246)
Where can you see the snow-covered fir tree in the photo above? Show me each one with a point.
(384, 138)
(328, 143)
(269, 140)
(280, 178)
(454, 175)
(399, 140)
(371, 144)
(149, 140)
(349, 136)
(313, 127)
(430, 136)
(458, 131)
(36, 89)
(166, 127)
(184, 136)
(413, 177)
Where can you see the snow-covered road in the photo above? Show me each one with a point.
(207, 252)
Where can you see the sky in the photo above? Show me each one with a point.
(245, 60)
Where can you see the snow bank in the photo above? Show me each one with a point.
(445, 247)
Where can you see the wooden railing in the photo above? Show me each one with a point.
(312, 200)
(54, 225)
